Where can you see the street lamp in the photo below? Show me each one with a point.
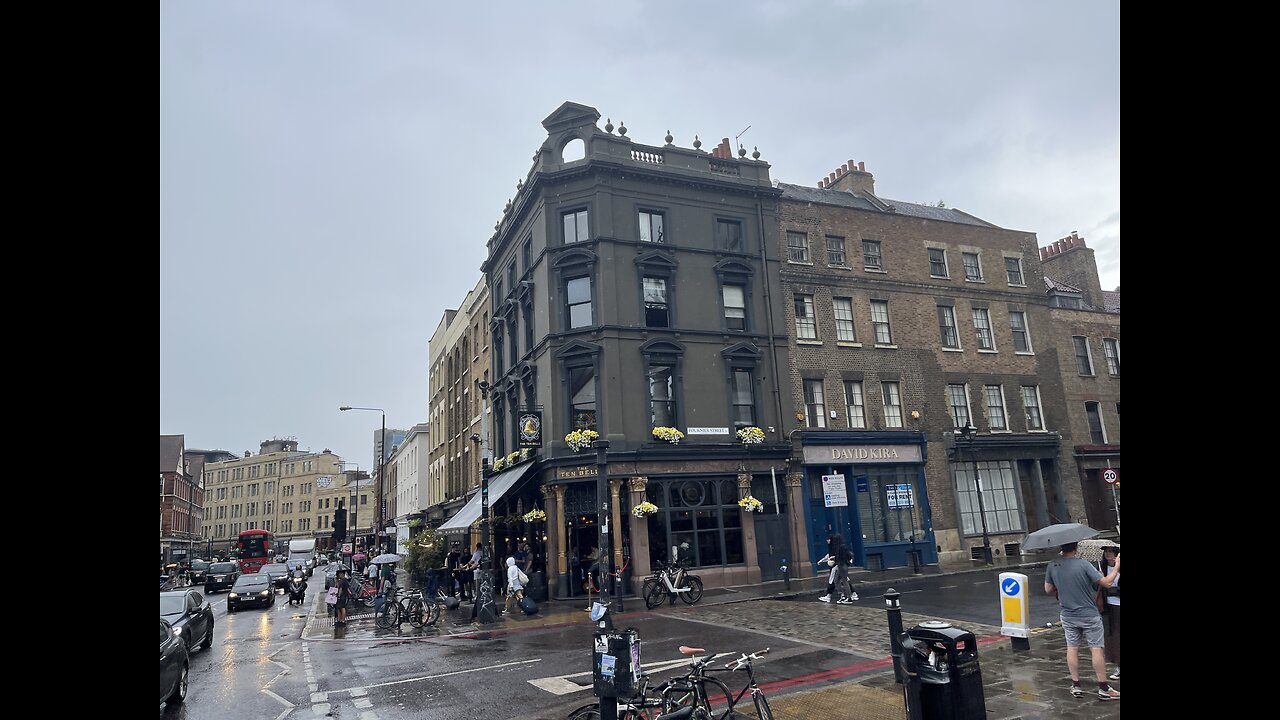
(382, 453)
(485, 611)
(970, 433)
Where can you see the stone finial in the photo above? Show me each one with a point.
(669, 138)
(608, 125)
(497, 225)
(756, 155)
(742, 152)
(697, 144)
(622, 128)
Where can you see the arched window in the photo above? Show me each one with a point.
(573, 150)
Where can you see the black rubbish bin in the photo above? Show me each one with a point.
(537, 589)
(946, 660)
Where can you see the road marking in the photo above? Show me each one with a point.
(284, 702)
(321, 709)
(948, 587)
(562, 685)
(363, 703)
(432, 677)
(319, 697)
(368, 715)
(981, 582)
(358, 692)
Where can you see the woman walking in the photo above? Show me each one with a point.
(838, 558)
(1112, 615)
(344, 597)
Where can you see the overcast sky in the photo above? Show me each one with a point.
(331, 171)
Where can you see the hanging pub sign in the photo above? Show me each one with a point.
(531, 429)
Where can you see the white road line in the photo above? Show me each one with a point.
(358, 692)
(456, 672)
(363, 703)
(321, 709)
(284, 702)
(904, 592)
(319, 697)
(284, 714)
(368, 715)
(948, 587)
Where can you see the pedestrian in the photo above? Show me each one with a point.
(839, 558)
(1074, 581)
(453, 562)
(344, 596)
(468, 573)
(524, 558)
(516, 580)
(1112, 615)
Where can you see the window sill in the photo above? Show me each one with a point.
(988, 352)
(1038, 431)
(1017, 285)
(956, 350)
(838, 267)
(940, 277)
(846, 343)
(979, 280)
(1001, 432)
(808, 342)
(799, 262)
(1088, 375)
(886, 347)
(1024, 352)
(878, 271)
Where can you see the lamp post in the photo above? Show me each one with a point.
(382, 453)
(485, 611)
(605, 510)
(970, 434)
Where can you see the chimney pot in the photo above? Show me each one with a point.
(862, 166)
(831, 177)
(822, 182)
(844, 168)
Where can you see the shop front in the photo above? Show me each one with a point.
(868, 487)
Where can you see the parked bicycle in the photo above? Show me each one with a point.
(670, 582)
(406, 606)
(646, 704)
(757, 695)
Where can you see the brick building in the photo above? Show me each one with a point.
(907, 322)
(1085, 323)
(181, 503)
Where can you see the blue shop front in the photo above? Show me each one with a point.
(870, 488)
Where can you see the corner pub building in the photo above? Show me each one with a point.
(636, 287)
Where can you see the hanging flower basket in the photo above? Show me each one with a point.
(535, 516)
(644, 508)
(668, 434)
(499, 464)
(751, 504)
(751, 435)
(513, 458)
(580, 440)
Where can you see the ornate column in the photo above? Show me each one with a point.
(562, 562)
(552, 544)
(796, 504)
(615, 537)
(749, 555)
(639, 530)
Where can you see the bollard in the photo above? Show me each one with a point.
(617, 591)
(786, 576)
(894, 609)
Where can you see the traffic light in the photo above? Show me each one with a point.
(340, 523)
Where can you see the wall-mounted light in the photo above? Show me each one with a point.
(915, 414)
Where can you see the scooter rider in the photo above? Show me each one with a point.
(297, 587)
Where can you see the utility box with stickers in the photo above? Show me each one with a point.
(615, 663)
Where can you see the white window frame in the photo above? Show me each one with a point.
(856, 412)
(977, 256)
(843, 251)
(840, 330)
(1102, 422)
(1021, 272)
(955, 328)
(946, 269)
(991, 415)
(876, 324)
(642, 216)
(879, 247)
(810, 316)
(978, 328)
(1035, 390)
(951, 404)
(1088, 353)
(820, 402)
(1113, 360)
(802, 248)
(1026, 333)
(889, 420)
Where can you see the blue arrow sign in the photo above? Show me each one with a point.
(1009, 587)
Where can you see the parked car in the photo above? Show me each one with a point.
(174, 663)
(190, 615)
(198, 570)
(279, 574)
(221, 576)
(252, 589)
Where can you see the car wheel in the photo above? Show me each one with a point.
(208, 639)
(179, 689)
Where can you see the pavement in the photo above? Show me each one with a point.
(1027, 685)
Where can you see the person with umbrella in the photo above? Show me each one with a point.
(1074, 580)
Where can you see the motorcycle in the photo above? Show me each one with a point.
(297, 588)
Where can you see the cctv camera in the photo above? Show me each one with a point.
(475, 437)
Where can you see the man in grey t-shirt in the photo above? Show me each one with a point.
(1074, 581)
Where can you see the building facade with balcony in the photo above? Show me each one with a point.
(635, 287)
(907, 322)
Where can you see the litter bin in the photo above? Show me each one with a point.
(946, 660)
(537, 588)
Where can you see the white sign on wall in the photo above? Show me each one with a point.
(708, 431)
(834, 491)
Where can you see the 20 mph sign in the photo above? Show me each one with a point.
(1111, 475)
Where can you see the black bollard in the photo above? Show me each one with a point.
(894, 609)
(786, 576)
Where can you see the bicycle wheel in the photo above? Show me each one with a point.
(707, 693)
(431, 611)
(694, 593)
(762, 706)
(417, 613)
(389, 616)
(586, 712)
(654, 593)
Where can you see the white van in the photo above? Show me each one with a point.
(302, 554)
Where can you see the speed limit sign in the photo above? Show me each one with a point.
(1112, 476)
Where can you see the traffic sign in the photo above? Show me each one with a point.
(1111, 475)
(834, 491)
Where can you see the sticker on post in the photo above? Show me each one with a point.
(607, 663)
(602, 644)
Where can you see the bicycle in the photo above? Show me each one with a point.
(757, 695)
(406, 605)
(643, 706)
(697, 689)
(669, 582)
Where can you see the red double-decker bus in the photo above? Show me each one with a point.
(255, 548)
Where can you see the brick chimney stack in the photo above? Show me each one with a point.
(850, 177)
(1070, 261)
(722, 151)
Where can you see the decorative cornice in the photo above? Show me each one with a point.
(638, 483)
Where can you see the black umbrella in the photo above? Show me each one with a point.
(1055, 535)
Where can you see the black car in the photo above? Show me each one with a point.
(198, 569)
(173, 665)
(220, 576)
(252, 589)
(278, 572)
(190, 615)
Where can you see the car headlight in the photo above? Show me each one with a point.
(232, 596)
(264, 593)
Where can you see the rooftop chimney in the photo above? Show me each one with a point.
(851, 178)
